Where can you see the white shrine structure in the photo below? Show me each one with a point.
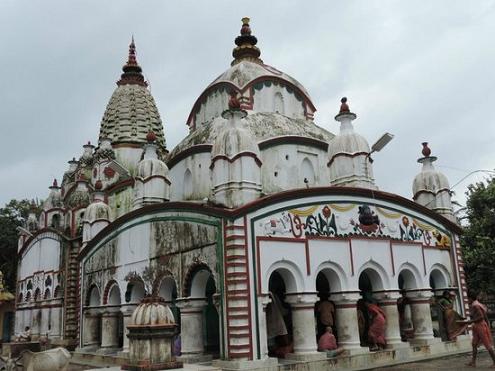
(257, 199)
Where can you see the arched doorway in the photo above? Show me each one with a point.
(167, 290)
(112, 320)
(201, 290)
(92, 319)
(278, 314)
(406, 281)
(439, 284)
(369, 282)
(327, 282)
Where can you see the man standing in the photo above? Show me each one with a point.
(481, 329)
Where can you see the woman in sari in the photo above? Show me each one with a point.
(376, 331)
(451, 319)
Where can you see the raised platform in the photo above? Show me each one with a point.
(364, 361)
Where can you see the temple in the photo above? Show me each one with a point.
(244, 229)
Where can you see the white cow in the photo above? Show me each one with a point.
(56, 359)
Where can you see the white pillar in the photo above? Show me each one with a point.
(421, 317)
(127, 311)
(346, 321)
(263, 302)
(109, 329)
(388, 303)
(191, 323)
(91, 327)
(303, 325)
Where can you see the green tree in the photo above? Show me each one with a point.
(478, 241)
(12, 216)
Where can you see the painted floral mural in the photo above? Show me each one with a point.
(344, 220)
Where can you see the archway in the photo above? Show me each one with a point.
(439, 283)
(369, 282)
(327, 282)
(278, 313)
(201, 285)
(167, 290)
(406, 281)
(113, 326)
(135, 292)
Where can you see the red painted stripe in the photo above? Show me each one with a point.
(352, 258)
(392, 258)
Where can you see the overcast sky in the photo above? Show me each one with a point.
(423, 71)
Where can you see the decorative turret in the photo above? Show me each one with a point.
(79, 198)
(32, 220)
(54, 198)
(235, 160)
(105, 150)
(130, 113)
(87, 156)
(246, 49)
(132, 71)
(97, 215)
(431, 187)
(151, 182)
(348, 153)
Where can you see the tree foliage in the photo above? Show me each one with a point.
(12, 216)
(478, 241)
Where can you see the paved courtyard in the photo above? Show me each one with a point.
(454, 363)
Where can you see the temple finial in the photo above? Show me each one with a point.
(246, 49)
(132, 71)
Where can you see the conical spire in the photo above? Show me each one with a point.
(246, 45)
(132, 71)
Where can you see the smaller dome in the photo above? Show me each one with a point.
(350, 143)
(234, 138)
(152, 312)
(98, 210)
(429, 179)
(151, 165)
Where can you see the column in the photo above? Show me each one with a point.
(388, 303)
(263, 302)
(191, 318)
(303, 326)
(346, 321)
(90, 330)
(126, 311)
(421, 317)
(109, 329)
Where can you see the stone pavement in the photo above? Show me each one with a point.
(453, 363)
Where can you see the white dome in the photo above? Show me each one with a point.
(350, 143)
(152, 311)
(98, 210)
(233, 138)
(151, 167)
(429, 179)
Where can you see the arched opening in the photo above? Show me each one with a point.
(187, 184)
(202, 285)
(47, 294)
(369, 318)
(134, 292)
(307, 173)
(94, 297)
(55, 221)
(168, 291)
(58, 292)
(443, 305)
(37, 294)
(28, 296)
(278, 313)
(278, 103)
(115, 322)
(327, 282)
(406, 281)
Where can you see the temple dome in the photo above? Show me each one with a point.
(234, 138)
(262, 88)
(152, 311)
(429, 179)
(151, 165)
(131, 111)
(98, 210)
(350, 143)
(262, 125)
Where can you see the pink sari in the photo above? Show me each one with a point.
(376, 331)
